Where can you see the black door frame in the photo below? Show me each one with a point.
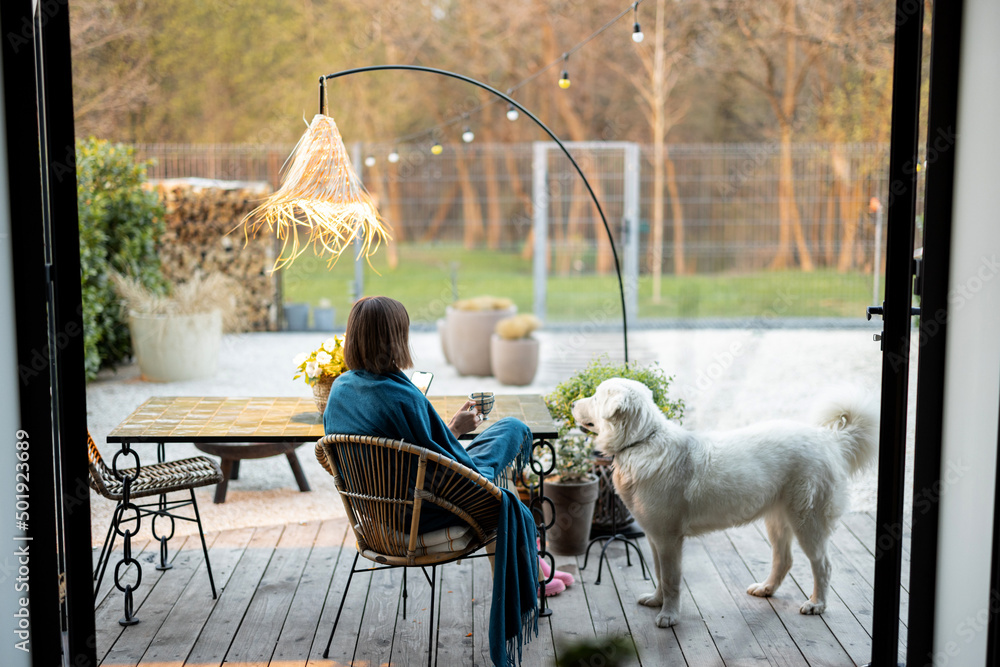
(38, 105)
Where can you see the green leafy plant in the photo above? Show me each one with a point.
(574, 450)
(120, 226)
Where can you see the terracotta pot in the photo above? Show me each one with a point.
(574, 506)
(169, 348)
(467, 335)
(514, 362)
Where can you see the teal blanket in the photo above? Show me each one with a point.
(390, 406)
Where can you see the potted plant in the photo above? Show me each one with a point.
(609, 510)
(176, 336)
(468, 326)
(320, 368)
(513, 351)
(573, 491)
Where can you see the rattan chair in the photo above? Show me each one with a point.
(384, 484)
(155, 479)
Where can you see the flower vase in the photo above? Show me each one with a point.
(321, 392)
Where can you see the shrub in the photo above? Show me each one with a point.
(120, 226)
(584, 383)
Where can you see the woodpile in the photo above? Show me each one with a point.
(203, 234)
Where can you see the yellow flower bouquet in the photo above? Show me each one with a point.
(323, 364)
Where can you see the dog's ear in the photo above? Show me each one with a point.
(617, 404)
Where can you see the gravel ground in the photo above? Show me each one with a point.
(727, 378)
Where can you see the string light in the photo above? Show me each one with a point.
(637, 35)
(393, 156)
(564, 81)
(370, 161)
(467, 135)
(437, 148)
(512, 114)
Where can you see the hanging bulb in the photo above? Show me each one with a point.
(637, 35)
(393, 156)
(564, 81)
(437, 148)
(512, 113)
(370, 161)
(467, 135)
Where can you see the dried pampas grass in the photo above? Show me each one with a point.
(484, 302)
(517, 326)
(321, 193)
(200, 294)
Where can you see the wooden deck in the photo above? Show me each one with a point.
(280, 586)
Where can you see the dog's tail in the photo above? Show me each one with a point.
(855, 417)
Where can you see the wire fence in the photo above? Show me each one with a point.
(741, 225)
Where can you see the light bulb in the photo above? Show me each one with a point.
(370, 161)
(564, 80)
(393, 157)
(637, 35)
(467, 135)
(437, 148)
(512, 113)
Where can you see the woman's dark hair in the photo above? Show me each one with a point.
(378, 336)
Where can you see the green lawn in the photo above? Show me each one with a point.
(422, 281)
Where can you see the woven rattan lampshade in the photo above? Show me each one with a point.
(321, 201)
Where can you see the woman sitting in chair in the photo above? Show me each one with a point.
(376, 398)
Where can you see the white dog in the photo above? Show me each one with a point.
(678, 483)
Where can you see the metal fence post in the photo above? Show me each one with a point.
(631, 231)
(540, 223)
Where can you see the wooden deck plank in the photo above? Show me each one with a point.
(261, 625)
(764, 623)
(733, 638)
(654, 645)
(410, 641)
(603, 599)
(183, 625)
(570, 621)
(482, 594)
(345, 639)
(454, 643)
(107, 629)
(302, 624)
(838, 625)
(222, 625)
(134, 640)
(378, 624)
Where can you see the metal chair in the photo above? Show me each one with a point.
(384, 484)
(155, 479)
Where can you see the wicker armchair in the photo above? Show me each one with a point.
(385, 484)
(156, 479)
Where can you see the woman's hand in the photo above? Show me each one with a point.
(465, 420)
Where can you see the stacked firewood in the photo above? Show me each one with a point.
(203, 233)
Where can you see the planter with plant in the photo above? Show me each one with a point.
(573, 491)
(513, 350)
(177, 336)
(468, 326)
(320, 368)
(609, 510)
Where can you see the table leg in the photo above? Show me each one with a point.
(538, 501)
(220, 489)
(235, 474)
(125, 505)
(300, 477)
(161, 456)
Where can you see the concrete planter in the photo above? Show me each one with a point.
(169, 348)
(467, 335)
(514, 362)
(574, 507)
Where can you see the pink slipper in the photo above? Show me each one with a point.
(565, 577)
(554, 587)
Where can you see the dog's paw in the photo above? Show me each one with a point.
(761, 590)
(666, 619)
(650, 600)
(812, 608)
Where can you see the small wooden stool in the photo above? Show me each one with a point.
(232, 453)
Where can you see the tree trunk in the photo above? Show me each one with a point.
(447, 201)
(677, 212)
(472, 216)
